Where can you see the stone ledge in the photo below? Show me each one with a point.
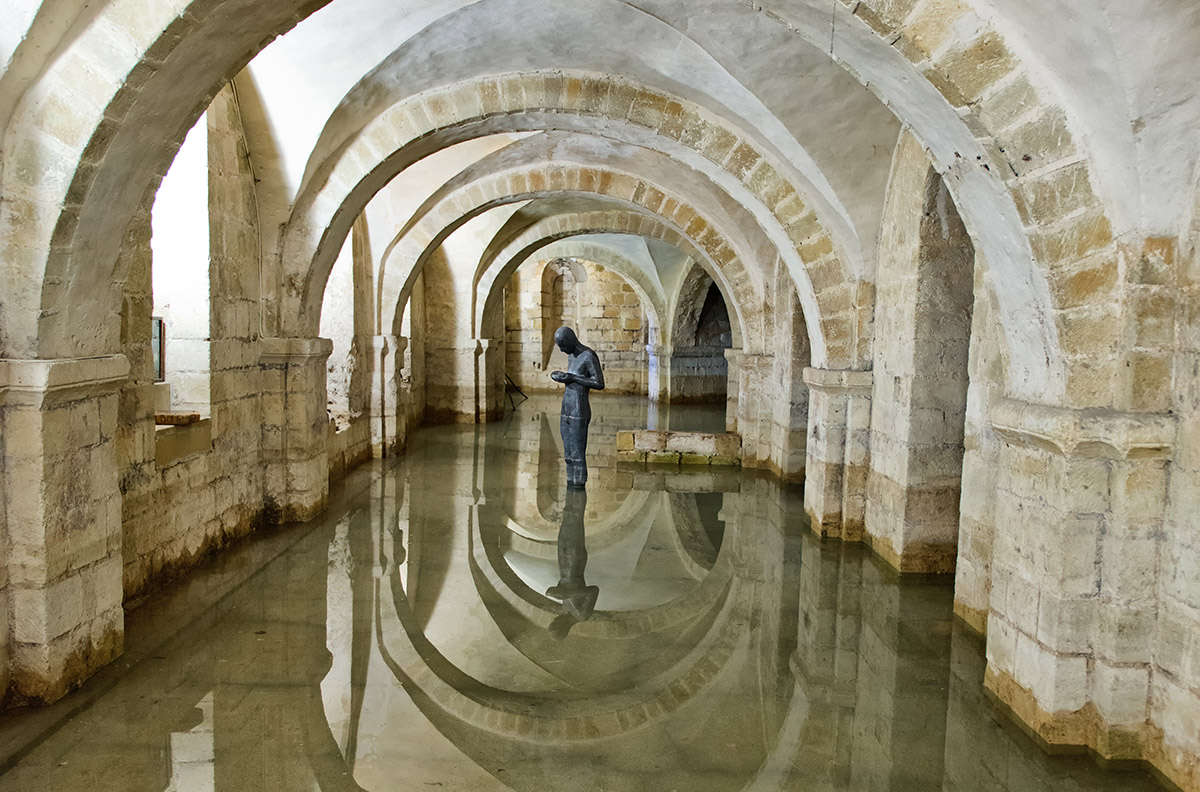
(680, 448)
(288, 351)
(839, 380)
(174, 443)
(1092, 432)
(31, 382)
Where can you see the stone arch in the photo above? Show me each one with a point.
(338, 191)
(171, 58)
(687, 303)
(919, 398)
(699, 372)
(724, 244)
(503, 260)
(647, 290)
(555, 277)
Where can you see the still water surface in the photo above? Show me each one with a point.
(459, 621)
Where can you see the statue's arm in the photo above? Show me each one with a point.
(593, 378)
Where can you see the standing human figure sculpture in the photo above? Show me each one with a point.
(583, 374)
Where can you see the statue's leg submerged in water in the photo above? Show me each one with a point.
(574, 436)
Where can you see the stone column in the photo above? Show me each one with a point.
(658, 366)
(838, 452)
(295, 425)
(451, 382)
(489, 379)
(1075, 567)
(733, 360)
(62, 512)
(385, 409)
(755, 406)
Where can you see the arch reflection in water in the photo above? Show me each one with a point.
(577, 597)
(405, 643)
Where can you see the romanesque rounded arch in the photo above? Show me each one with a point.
(647, 290)
(503, 261)
(686, 303)
(174, 64)
(424, 123)
(727, 243)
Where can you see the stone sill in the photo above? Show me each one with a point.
(680, 448)
(173, 444)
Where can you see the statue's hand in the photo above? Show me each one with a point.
(558, 376)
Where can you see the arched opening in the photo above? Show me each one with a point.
(179, 243)
(603, 308)
(923, 322)
(702, 333)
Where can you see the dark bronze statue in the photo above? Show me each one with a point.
(582, 375)
(577, 597)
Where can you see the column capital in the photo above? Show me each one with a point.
(851, 381)
(290, 351)
(1088, 432)
(36, 382)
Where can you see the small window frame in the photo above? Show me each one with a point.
(158, 348)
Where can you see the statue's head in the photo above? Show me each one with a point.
(566, 340)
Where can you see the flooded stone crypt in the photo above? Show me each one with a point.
(405, 641)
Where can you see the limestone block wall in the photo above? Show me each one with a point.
(700, 335)
(411, 385)
(1175, 675)
(981, 448)
(838, 451)
(789, 418)
(605, 312)
(63, 557)
(923, 323)
(463, 374)
(6, 549)
(173, 514)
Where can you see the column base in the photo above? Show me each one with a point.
(918, 558)
(44, 673)
(1086, 729)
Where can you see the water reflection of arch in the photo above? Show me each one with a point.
(438, 686)
(693, 542)
(495, 576)
(434, 683)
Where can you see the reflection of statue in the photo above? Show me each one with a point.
(578, 598)
(583, 374)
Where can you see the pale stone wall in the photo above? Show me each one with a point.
(6, 549)
(354, 365)
(977, 506)
(1174, 705)
(789, 419)
(180, 241)
(464, 374)
(175, 513)
(923, 323)
(604, 311)
(412, 374)
(700, 335)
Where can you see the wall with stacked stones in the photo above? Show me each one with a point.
(1083, 553)
(177, 508)
(604, 311)
(1175, 666)
(923, 324)
(701, 333)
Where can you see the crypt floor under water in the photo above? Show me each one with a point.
(405, 641)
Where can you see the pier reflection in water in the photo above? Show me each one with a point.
(461, 621)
